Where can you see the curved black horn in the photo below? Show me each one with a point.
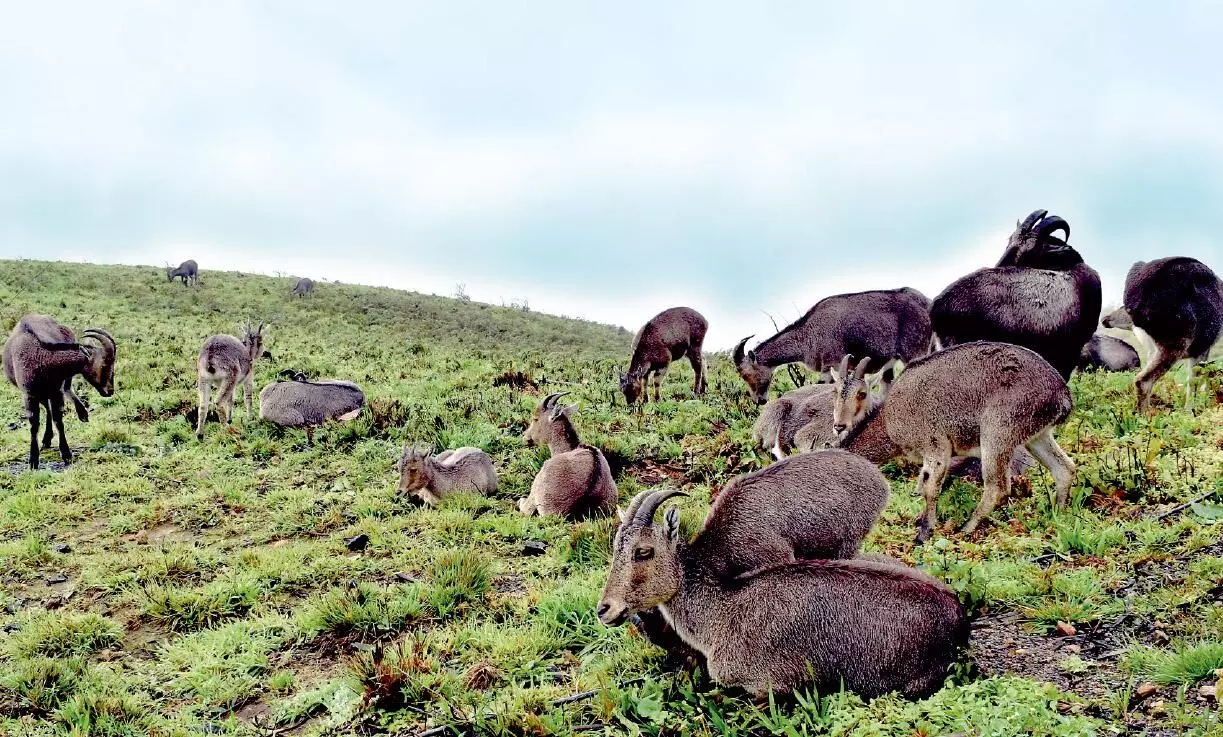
(644, 514)
(98, 333)
(550, 400)
(1031, 219)
(1049, 226)
(737, 356)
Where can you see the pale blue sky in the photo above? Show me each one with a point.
(609, 162)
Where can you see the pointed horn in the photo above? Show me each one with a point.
(645, 513)
(1051, 225)
(550, 400)
(1031, 219)
(845, 365)
(635, 504)
(737, 356)
(860, 370)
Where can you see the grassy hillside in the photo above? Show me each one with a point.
(164, 586)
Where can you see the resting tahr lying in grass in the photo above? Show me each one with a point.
(874, 627)
(40, 358)
(430, 478)
(308, 404)
(977, 399)
(576, 481)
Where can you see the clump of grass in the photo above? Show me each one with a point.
(102, 713)
(589, 544)
(399, 674)
(1080, 536)
(63, 634)
(459, 577)
(567, 617)
(1184, 664)
(365, 610)
(37, 686)
(187, 610)
(222, 667)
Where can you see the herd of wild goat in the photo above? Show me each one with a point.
(774, 592)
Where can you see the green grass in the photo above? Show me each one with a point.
(210, 589)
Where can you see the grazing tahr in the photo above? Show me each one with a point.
(1041, 295)
(1106, 353)
(188, 271)
(430, 478)
(307, 403)
(977, 399)
(668, 336)
(776, 429)
(40, 358)
(224, 363)
(1176, 304)
(891, 325)
(870, 626)
(576, 482)
(304, 286)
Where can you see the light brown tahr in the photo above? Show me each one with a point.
(780, 420)
(888, 325)
(224, 363)
(977, 399)
(668, 336)
(872, 627)
(576, 482)
(429, 478)
(40, 358)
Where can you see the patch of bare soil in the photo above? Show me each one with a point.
(1085, 663)
(649, 473)
(163, 533)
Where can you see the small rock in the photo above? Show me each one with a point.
(404, 577)
(57, 578)
(1209, 692)
(534, 547)
(62, 548)
(10, 628)
(1145, 690)
(1074, 649)
(360, 542)
(14, 606)
(1157, 708)
(1021, 651)
(1065, 629)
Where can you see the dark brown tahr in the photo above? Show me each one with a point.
(668, 336)
(1041, 295)
(889, 326)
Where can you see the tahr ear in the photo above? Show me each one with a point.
(672, 524)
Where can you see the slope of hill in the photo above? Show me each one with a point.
(165, 586)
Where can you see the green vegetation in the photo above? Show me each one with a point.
(209, 588)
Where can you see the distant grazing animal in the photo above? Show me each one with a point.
(302, 402)
(303, 287)
(576, 481)
(783, 417)
(1175, 304)
(225, 362)
(188, 271)
(40, 358)
(977, 399)
(891, 325)
(1106, 353)
(668, 336)
(430, 478)
(1040, 296)
(870, 626)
